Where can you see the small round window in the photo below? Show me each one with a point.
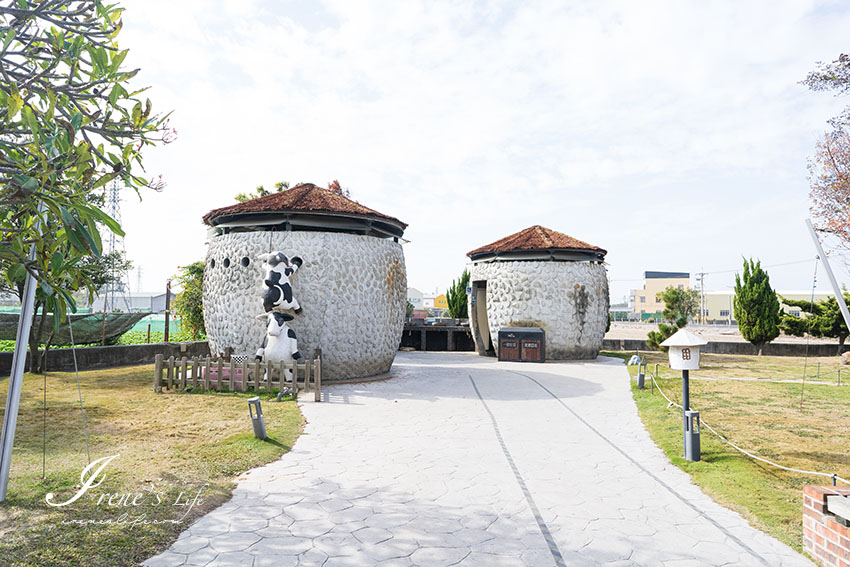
(212, 263)
(227, 262)
(245, 261)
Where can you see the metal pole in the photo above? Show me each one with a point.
(167, 309)
(13, 398)
(839, 295)
(686, 405)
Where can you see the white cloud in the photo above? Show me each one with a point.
(621, 123)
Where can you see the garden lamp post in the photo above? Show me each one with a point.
(684, 355)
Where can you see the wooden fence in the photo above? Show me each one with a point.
(220, 374)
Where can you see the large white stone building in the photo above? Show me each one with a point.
(352, 285)
(540, 278)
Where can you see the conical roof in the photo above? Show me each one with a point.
(296, 204)
(537, 239)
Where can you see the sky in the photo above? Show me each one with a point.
(675, 135)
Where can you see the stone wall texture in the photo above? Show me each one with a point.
(569, 300)
(352, 290)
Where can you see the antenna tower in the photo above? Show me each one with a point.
(119, 288)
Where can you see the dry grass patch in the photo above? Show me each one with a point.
(766, 418)
(747, 366)
(168, 444)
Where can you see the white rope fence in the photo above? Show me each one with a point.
(834, 477)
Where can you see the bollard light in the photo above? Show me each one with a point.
(256, 413)
(684, 355)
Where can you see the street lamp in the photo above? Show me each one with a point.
(684, 355)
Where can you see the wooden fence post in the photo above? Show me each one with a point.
(232, 374)
(307, 374)
(157, 374)
(318, 380)
(170, 375)
(194, 372)
(207, 375)
(220, 374)
(183, 369)
(294, 378)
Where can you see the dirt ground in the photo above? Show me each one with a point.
(717, 333)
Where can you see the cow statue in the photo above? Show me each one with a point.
(278, 293)
(280, 344)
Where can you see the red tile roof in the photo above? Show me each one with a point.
(303, 198)
(536, 238)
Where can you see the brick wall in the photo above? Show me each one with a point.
(823, 537)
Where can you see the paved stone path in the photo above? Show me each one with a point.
(459, 460)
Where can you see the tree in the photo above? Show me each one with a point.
(829, 169)
(69, 124)
(834, 76)
(756, 305)
(456, 297)
(679, 306)
(829, 178)
(261, 191)
(189, 303)
(410, 309)
(819, 319)
(74, 272)
(339, 189)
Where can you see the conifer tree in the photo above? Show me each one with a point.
(756, 305)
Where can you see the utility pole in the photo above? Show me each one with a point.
(700, 277)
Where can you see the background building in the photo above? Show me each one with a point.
(645, 301)
(414, 296)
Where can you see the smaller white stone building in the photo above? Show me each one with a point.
(540, 278)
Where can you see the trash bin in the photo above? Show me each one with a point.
(524, 344)
(692, 452)
(256, 412)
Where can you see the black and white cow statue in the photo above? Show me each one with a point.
(278, 293)
(280, 344)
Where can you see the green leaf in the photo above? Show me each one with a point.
(82, 231)
(117, 59)
(67, 217)
(31, 121)
(26, 182)
(56, 262)
(77, 121)
(68, 300)
(8, 37)
(100, 216)
(14, 104)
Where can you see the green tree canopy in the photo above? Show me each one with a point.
(261, 191)
(69, 123)
(189, 303)
(756, 305)
(818, 319)
(456, 297)
(679, 306)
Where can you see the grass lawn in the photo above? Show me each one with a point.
(765, 418)
(746, 366)
(172, 446)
